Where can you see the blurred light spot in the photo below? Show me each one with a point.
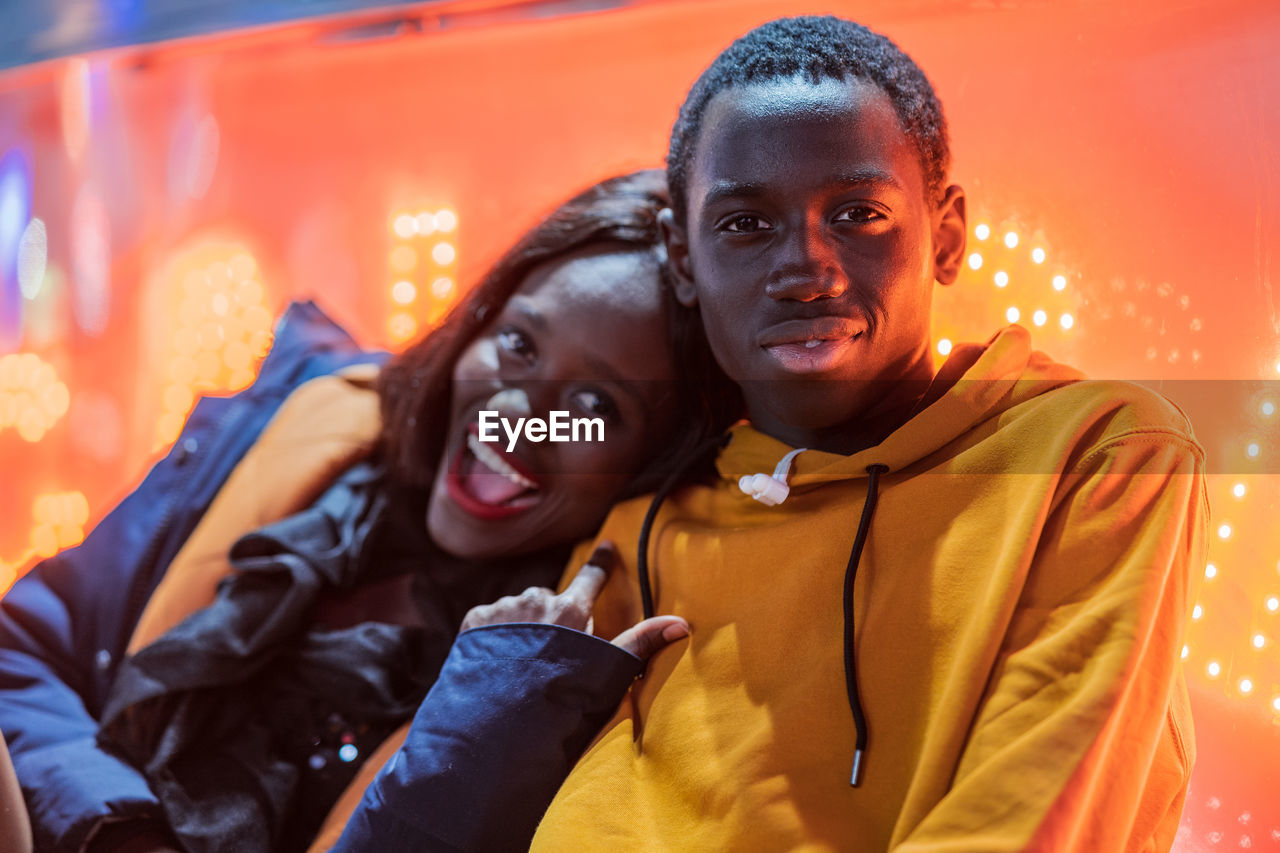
(1273, 604)
(1067, 321)
(1252, 450)
(1214, 669)
(33, 256)
(442, 287)
(1001, 278)
(1275, 703)
(402, 327)
(403, 258)
(405, 226)
(90, 261)
(32, 398)
(348, 752)
(944, 347)
(1197, 612)
(1238, 490)
(1039, 318)
(1037, 255)
(242, 266)
(1186, 650)
(443, 253)
(446, 220)
(74, 107)
(1268, 409)
(1246, 686)
(975, 261)
(203, 157)
(1012, 315)
(1224, 531)
(1210, 571)
(1259, 641)
(403, 292)
(1011, 239)
(1059, 282)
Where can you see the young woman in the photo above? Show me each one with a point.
(304, 618)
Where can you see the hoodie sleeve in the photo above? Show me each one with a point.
(1083, 740)
(513, 708)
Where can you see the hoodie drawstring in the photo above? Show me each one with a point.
(642, 558)
(851, 572)
(850, 663)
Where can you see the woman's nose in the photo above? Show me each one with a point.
(510, 403)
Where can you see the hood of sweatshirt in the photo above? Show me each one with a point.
(977, 383)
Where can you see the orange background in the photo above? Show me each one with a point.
(1133, 142)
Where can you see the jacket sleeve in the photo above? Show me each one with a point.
(514, 707)
(65, 625)
(69, 782)
(1082, 742)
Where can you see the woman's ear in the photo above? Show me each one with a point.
(676, 242)
(949, 235)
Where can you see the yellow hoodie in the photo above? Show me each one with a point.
(1018, 611)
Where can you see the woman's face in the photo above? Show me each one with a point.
(583, 335)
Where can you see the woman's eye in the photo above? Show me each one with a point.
(513, 340)
(595, 403)
(746, 224)
(859, 214)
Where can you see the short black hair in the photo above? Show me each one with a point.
(817, 48)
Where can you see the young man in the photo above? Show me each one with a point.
(949, 619)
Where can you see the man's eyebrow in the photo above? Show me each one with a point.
(870, 177)
(733, 189)
(522, 306)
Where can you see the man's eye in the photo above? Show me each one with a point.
(859, 213)
(513, 340)
(595, 403)
(746, 224)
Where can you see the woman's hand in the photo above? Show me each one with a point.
(572, 609)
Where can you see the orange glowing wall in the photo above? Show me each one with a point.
(185, 192)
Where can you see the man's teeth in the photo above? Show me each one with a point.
(812, 344)
(495, 463)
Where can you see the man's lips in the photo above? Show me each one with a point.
(802, 331)
(814, 345)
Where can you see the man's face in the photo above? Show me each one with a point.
(810, 246)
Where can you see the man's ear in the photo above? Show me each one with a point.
(676, 241)
(949, 234)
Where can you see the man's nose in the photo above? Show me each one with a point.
(808, 266)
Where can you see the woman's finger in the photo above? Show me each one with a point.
(652, 635)
(586, 585)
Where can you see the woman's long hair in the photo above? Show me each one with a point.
(622, 213)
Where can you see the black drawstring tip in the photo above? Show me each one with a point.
(855, 778)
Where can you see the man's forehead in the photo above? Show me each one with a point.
(834, 132)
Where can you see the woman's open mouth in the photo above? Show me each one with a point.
(488, 483)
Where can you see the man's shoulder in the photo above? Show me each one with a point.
(1117, 406)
